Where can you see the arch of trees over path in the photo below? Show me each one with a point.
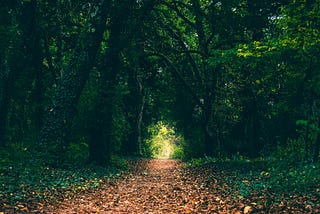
(85, 80)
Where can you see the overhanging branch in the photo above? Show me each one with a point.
(177, 74)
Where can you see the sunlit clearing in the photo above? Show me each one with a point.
(165, 150)
(164, 143)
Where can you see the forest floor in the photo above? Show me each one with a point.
(169, 186)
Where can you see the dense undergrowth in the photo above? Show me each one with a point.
(21, 183)
(270, 180)
(284, 175)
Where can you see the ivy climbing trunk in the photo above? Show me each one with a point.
(57, 122)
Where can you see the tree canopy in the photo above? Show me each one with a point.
(82, 81)
(88, 88)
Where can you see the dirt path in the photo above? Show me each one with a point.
(155, 186)
(166, 186)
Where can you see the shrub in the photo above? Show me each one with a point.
(78, 153)
(291, 153)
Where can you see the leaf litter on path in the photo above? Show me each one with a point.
(152, 186)
(166, 186)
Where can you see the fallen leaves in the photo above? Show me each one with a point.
(247, 209)
(167, 186)
(156, 186)
(25, 189)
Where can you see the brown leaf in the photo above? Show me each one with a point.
(247, 209)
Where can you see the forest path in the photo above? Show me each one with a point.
(153, 186)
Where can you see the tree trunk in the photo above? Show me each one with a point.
(307, 145)
(316, 150)
(103, 128)
(210, 119)
(251, 127)
(57, 122)
(31, 63)
(5, 90)
(139, 122)
(34, 55)
(136, 102)
(100, 131)
(317, 146)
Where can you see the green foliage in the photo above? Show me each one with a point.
(164, 142)
(118, 162)
(295, 180)
(5, 160)
(202, 161)
(234, 75)
(289, 154)
(298, 178)
(277, 178)
(19, 182)
(178, 150)
(194, 144)
(306, 123)
(19, 152)
(255, 50)
(78, 153)
(299, 26)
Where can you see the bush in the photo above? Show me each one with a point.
(78, 153)
(118, 162)
(291, 153)
(178, 152)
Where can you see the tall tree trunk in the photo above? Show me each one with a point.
(251, 123)
(5, 71)
(256, 21)
(5, 90)
(307, 145)
(31, 63)
(139, 121)
(100, 147)
(316, 150)
(136, 102)
(211, 125)
(34, 55)
(57, 122)
(210, 135)
(100, 125)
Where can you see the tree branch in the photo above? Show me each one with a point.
(178, 76)
(178, 12)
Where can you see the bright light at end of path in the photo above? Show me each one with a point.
(164, 142)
